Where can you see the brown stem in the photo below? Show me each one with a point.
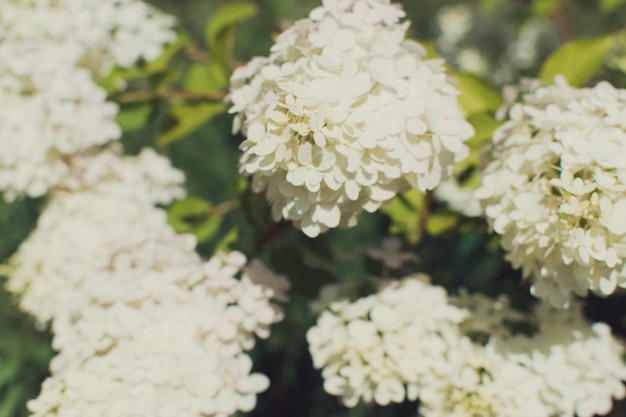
(563, 23)
(138, 96)
(424, 216)
(222, 208)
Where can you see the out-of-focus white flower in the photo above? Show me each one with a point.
(379, 348)
(50, 53)
(76, 237)
(156, 333)
(458, 198)
(344, 114)
(147, 177)
(556, 189)
(390, 253)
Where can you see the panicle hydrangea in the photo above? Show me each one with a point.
(556, 189)
(344, 114)
(78, 232)
(159, 333)
(559, 365)
(466, 355)
(376, 350)
(50, 52)
(147, 177)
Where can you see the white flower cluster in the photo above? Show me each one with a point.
(375, 350)
(159, 333)
(556, 190)
(466, 356)
(50, 54)
(78, 233)
(141, 323)
(344, 114)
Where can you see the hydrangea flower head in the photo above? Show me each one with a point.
(556, 190)
(344, 114)
(380, 348)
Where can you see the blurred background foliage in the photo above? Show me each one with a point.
(175, 104)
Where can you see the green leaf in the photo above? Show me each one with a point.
(205, 77)
(220, 30)
(405, 214)
(189, 117)
(193, 215)
(488, 5)
(609, 6)
(477, 95)
(11, 401)
(484, 125)
(231, 237)
(132, 117)
(578, 60)
(545, 7)
(162, 63)
(9, 369)
(441, 222)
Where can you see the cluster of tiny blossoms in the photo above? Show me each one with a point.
(344, 114)
(556, 190)
(51, 53)
(463, 356)
(142, 325)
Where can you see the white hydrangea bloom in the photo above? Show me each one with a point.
(467, 355)
(108, 32)
(50, 111)
(344, 114)
(458, 198)
(566, 367)
(556, 190)
(147, 177)
(50, 52)
(380, 347)
(156, 333)
(76, 237)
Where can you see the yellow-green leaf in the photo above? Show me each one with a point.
(577, 60)
(477, 95)
(205, 77)
(220, 30)
(189, 117)
(609, 6)
(132, 117)
(545, 7)
(441, 222)
(405, 214)
(193, 215)
(226, 243)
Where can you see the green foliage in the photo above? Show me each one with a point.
(220, 32)
(476, 95)
(405, 212)
(545, 7)
(577, 60)
(188, 117)
(197, 216)
(609, 6)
